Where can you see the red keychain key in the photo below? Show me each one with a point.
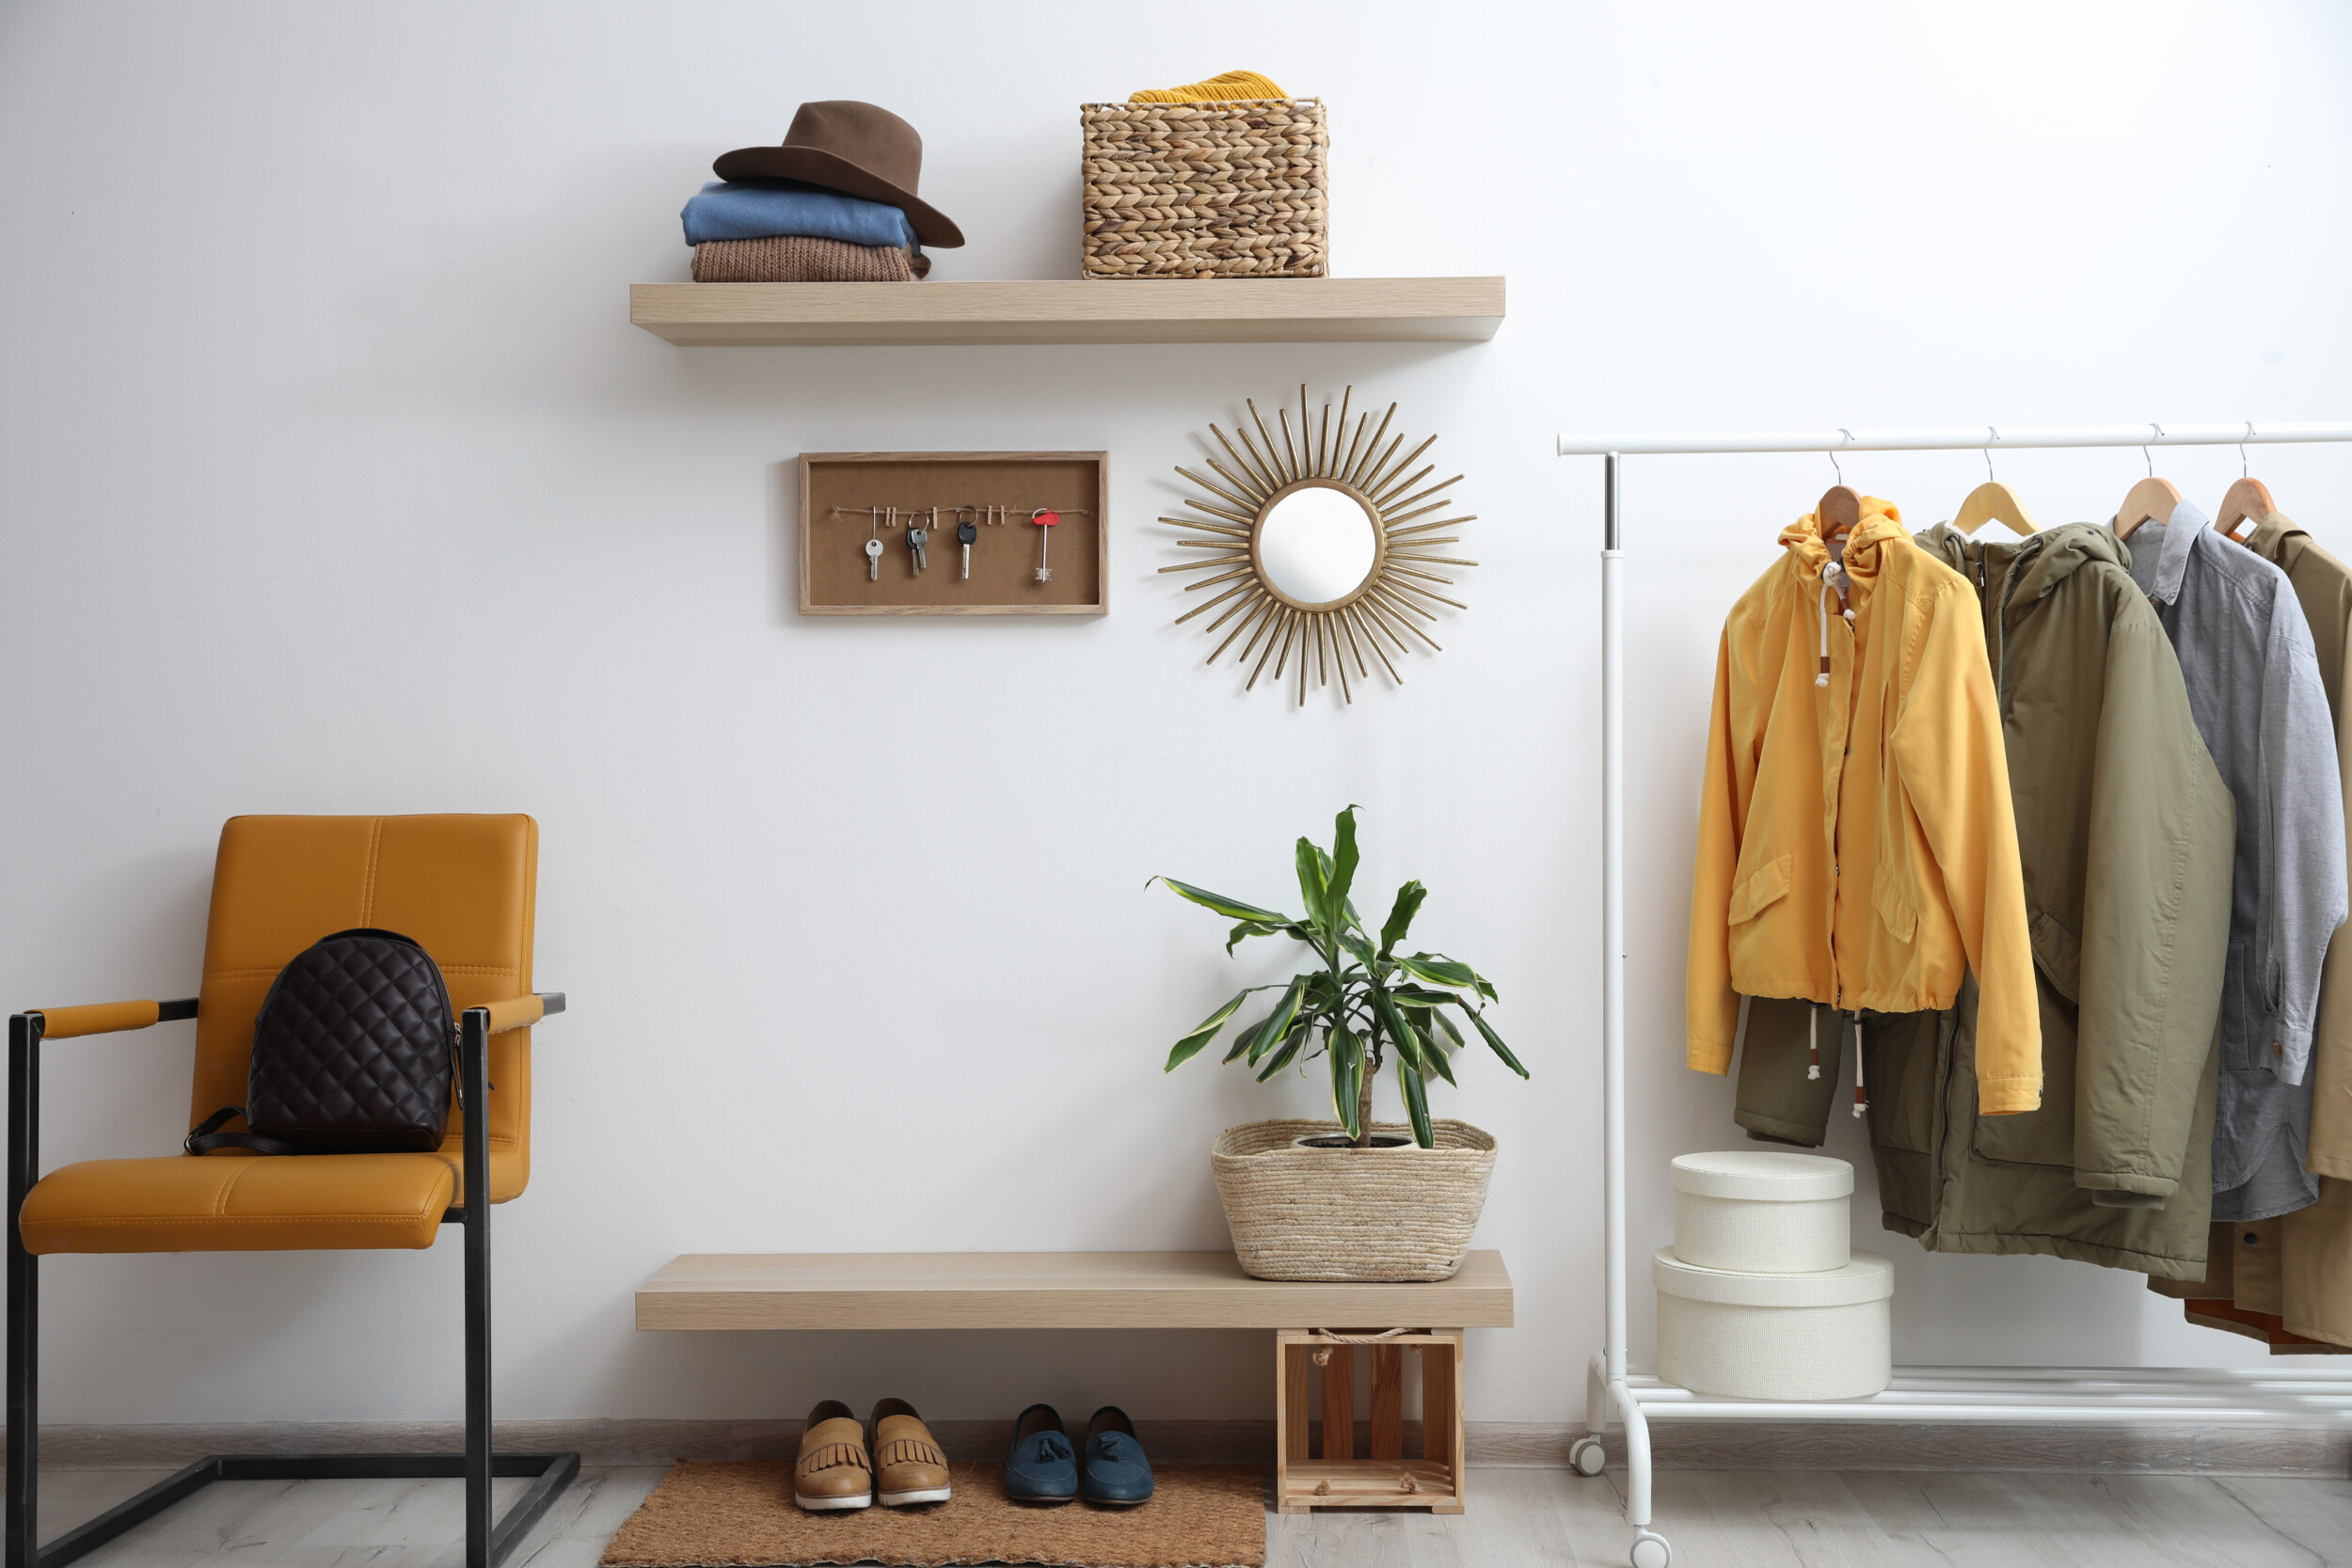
(1044, 517)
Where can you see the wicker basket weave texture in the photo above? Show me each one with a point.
(1351, 1214)
(1233, 189)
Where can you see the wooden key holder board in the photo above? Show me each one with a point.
(843, 495)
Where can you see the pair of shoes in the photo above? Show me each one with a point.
(891, 1458)
(1043, 1468)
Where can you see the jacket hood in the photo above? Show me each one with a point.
(2043, 561)
(1880, 521)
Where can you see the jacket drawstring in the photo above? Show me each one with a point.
(1813, 1040)
(1861, 1092)
(1821, 615)
(1833, 575)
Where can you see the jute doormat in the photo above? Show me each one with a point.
(744, 1516)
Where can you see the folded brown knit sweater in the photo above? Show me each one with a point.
(802, 259)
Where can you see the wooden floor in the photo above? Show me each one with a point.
(1714, 1519)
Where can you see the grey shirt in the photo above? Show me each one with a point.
(2255, 693)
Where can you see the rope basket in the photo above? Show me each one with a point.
(1361, 1216)
(1233, 189)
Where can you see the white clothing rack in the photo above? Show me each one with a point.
(1919, 1395)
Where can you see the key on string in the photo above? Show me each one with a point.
(1044, 517)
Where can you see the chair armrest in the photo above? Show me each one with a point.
(106, 1017)
(521, 1012)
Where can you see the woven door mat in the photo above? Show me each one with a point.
(742, 1515)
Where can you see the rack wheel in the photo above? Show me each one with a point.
(1588, 1456)
(1651, 1551)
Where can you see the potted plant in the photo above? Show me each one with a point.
(1319, 1200)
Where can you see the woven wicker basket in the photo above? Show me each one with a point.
(1236, 189)
(1351, 1214)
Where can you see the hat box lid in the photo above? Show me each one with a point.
(1868, 1278)
(1757, 1176)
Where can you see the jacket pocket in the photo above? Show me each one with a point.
(1766, 885)
(2044, 1138)
(2060, 954)
(1894, 905)
(1899, 1051)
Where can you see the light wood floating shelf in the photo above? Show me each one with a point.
(1043, 1289)
(1073, 310)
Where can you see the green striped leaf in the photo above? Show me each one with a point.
(1232, 909)
(1202, 1033)
(1494, 1043)
(1417, 1108)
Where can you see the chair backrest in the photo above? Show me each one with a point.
(461, 886)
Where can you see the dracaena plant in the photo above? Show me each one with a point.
(1363, 1006)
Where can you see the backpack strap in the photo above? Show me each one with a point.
(208, 1136)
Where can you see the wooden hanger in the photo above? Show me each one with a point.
(2248, 501)
(1839, 512)
(2151, 499)
(1991, 502)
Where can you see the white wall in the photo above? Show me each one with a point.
(334, 479)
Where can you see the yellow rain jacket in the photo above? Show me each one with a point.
(1857, 846)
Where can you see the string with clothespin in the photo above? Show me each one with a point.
(892, 517)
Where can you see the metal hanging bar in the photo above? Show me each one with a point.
(2248, 431)
(1927, 1395)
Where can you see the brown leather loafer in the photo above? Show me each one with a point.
(908, 1466)
(835, 1469)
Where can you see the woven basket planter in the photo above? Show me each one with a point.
(1237, 189)
(1351, 1214)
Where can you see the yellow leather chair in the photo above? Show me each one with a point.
(461, 886)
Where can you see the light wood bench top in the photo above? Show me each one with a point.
(1046, 1290)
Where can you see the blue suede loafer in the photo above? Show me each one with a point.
(1115, 1471)
(1042, 1467)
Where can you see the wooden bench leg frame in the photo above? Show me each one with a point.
(1385, 1477)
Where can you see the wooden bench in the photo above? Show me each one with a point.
(1152, 1290)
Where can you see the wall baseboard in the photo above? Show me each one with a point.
(2263, 1450)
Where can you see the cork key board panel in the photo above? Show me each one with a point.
(834, 578)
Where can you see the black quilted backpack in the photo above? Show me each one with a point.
(354, 1052)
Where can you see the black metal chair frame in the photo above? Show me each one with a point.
(487, 1542)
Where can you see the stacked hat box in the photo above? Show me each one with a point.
(1762, 1296)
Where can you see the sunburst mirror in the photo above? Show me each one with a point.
(1315, 546)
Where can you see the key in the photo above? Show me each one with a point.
(965, 533)
(916, 538)
(1044, 517)
(873, 561)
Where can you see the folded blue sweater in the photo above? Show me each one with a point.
(756, 210)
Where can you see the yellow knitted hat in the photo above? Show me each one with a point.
(1234, 84)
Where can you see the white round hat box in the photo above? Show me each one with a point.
(1820, 1335)
(1756, 1211)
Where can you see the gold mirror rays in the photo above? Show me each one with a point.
(1284, 548)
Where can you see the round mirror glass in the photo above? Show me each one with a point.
(1316, 544)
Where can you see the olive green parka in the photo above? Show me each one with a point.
(2126, 836)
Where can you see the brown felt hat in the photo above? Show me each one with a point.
(855, 148)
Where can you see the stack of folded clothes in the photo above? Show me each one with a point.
(834, 203)
(784, 231)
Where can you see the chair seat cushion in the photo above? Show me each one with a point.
(236, 1201)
